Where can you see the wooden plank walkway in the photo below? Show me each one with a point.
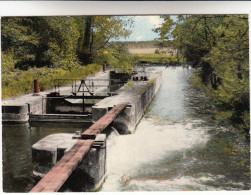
(56, 177)
(103, 122)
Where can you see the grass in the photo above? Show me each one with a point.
(21, 82)
(159, 58)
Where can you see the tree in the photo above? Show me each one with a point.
(99, 31)
(19, 39)
(84, 42)
(40, 41)
(60, 42)
(119, 57)
(217, 46)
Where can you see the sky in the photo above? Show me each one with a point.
(142, 28)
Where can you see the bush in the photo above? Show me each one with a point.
(21, 82)
(160, 59)
(156, 51)
(8, 61)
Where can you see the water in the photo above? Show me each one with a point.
(16, 150)
(178, 145)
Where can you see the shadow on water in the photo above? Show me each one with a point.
(16, 146)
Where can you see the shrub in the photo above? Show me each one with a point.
(21, 82)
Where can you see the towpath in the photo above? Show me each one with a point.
(66, 90)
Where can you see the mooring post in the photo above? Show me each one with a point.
(36, 86)
(84, 103)
(104, 67)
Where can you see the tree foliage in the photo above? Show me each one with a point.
(45, 46)
(60, 42)
(99, 33)
(218, 47)
(119, 57)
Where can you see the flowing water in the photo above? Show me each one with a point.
(178, 145)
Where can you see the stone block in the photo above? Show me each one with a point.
(49, 150)
(90, 173)
(15, 109)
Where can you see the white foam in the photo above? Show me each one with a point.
(185, 183)
(151, 142)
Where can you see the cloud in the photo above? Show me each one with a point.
(142, 28)
(139, 38)
(138, 17)
(155, 20)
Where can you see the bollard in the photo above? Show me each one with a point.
(36, 86)
(104, 67)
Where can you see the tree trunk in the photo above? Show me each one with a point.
(85, 54)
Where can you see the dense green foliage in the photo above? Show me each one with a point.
(218, 47)
(120, 58)
(21, 82)
(53, 47)
(159, 58)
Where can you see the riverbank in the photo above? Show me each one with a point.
(16, 109)
(20, 82)
(225, 110)
(65, 90)
(154, 58)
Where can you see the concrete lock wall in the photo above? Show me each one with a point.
(90, 173)
(138, 95)
(20, 113)
(56, 105)
(37, 106)
(15, 113)
(129, 119)
(63, 106)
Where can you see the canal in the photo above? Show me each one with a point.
(177, 146)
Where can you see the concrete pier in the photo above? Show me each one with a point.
(49, 150)
(15, 113)
(91, 172)
(138, 95)
(88, 175)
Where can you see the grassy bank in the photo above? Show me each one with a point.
(159, 58)
(228, 108)
(20, 82)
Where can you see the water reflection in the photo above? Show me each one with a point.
(16, 145)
